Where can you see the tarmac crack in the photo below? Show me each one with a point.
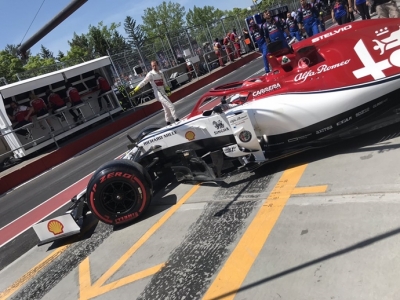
(63, 265)
(191, 267)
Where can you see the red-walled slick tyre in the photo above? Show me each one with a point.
(119, 192)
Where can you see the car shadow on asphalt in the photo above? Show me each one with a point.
(377, 141)
(357, 246)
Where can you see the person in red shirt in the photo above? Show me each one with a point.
(217, 50)
(21, 117)
(104, 87)
(39, 108)
(228, 47)
(236, 42)
(75, 98)
(55, 102)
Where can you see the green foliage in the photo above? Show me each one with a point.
(240, 13)
(76, 53)
(97, 41)
(266, 4)
(13, 50)
(79, 41)
(164, 18)
(136, 35)
(36, 62)
(60, 55)
(200, 16)
(45, 52)
(10, 65)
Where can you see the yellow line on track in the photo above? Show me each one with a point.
(84, 282)
(310, 190)
(41, 265)
(236, 268)
(88, 291)
(32, 273)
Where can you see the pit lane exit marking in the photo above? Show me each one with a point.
(239, 263)
(7, 293)
(88, 291)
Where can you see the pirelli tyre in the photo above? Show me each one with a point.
(119, 192)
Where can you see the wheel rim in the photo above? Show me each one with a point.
(119, 197)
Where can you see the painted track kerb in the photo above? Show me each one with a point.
(32, 221)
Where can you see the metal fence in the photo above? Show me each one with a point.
(175, 53)
(51, 68)
(169, 49)
(3, 81)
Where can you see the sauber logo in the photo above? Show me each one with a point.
(220, 127)
(373, 68)
(218, 124)
(334, 32)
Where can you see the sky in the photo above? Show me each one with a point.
(16, 17)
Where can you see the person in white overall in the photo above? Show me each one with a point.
(160, 88)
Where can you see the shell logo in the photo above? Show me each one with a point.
(190, 135)
(55, 227)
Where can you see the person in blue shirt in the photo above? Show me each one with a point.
(273, 29)
(318, 6)
(293, 27)
(339, 12)
(259, 38)
(307, 16)
(363, 8)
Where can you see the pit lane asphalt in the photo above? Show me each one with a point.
(30, 195)
(320, 225)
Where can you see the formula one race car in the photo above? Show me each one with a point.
(329, 87)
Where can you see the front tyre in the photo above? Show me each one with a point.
(119, 192)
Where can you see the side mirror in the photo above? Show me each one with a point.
(207, 113)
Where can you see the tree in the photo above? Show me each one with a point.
(96, 42)
(60, 55)
(265, 4)
(80, 41)
(37, 62)
(240, 13)
(136, 35)
(45, 52)
(13, 50)
(10, 65)
(201, 16)
(79, 46)
(102, 38)
(164, 18)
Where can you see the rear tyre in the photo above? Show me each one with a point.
(119, 192)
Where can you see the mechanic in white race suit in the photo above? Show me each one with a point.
(160, 88)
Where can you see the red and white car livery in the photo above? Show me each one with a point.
(336, 85)
(324, 86)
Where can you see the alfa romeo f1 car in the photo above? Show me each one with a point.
(330, 87)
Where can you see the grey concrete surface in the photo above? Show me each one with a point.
(341, 244)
